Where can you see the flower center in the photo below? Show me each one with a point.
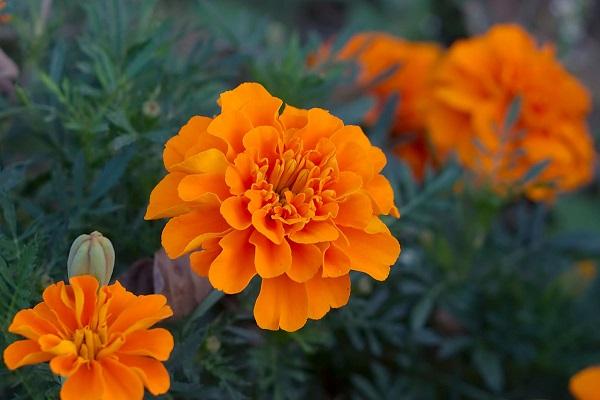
(89, 343)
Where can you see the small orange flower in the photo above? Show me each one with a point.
(585, 385)
(293, 197)
(474, 88)
(97, 338)
(414, 62)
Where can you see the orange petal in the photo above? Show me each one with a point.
(24, 352)
(382, 194)
(194, 187)
(281, 303)
(233, 269)
(348, 182)
(231, 126)
(53, 297)
(119, 300)
(315, 232)
(272, 229)
(164, 199)
(585, 385)
(156, 343)
(320, 124)
(56, 345)
(177, 147)
(200, 261)
(235, 211)
(264, 140)
(253, 100)
(120, 382)
(370, 253)
(28, 323)
(239, 176)
(306, 260)
(355, 211)
(293, 117)
(142, 312)
(326, 293)
(153, 373)
(335, 262)
(85, 384)
(211, 160)
(85, 288)
(187, 232)
(270, 259)
(66, 364)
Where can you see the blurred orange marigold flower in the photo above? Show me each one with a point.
(585, 385)
(293, 197)
(410, 66)
(475, 87)
(97, 338)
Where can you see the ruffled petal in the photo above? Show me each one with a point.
(142, 313)
(24, 352)
(235, 211)
(370, 253)
(189, 231)
(231, 126)
(66, 365)
(355, 211)
(85, 384)
(153, 373)
(315, 232)
(211, 160)
(233, 269)
(177, 147)
(281, 303)
(335, 262)
(272, 229)
(320, 124)
(306, 260)
(194, 187)
(270, 259)
(28, 323)
(156, 343)
(326, 293)
(382, 194)
(164, 198)
(120, 382)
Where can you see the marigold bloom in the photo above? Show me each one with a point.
(293, 197)
(97, 338)
(585, 385)
(410, 65)
(474, 88)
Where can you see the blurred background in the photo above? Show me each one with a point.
(491, 298)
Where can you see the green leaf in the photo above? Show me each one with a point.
(489, 367)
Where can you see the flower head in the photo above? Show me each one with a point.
(98, 338)
(403, 68)
(477, 89)
(293, 197)
(585, 385)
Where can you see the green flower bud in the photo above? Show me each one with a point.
(92, 254)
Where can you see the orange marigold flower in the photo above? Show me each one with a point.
(585, 385)
(293, 197)
(410, 65)
(475, 88)
(97, 338)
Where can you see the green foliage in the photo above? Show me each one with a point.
(484, 303)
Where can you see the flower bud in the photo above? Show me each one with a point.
(92, 254)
